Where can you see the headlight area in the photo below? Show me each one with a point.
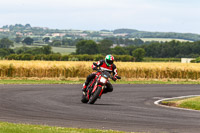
(103, 80)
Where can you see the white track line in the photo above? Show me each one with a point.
(165, 99)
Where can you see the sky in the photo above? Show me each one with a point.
(146, 15)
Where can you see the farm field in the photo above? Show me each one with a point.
(80, 69)
(163, 39)
(61, 50)
(64, 51)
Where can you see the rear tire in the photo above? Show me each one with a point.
(94, 97)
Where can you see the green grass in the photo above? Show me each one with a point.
(189, 103)
(64, 51)
(81, 81)
(61, 50)
(18, 81)
(25, 128)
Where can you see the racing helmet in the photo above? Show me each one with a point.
(109, 60)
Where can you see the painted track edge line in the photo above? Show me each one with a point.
(159, 101)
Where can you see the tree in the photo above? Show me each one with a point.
(104, 46)
(138, 41)
(28, 26)
(153, 50)
(56, 43)
(138, 54)
(4, 52)
(18, 39)
(118, 50)
(68, 42)
(87, 47)
(47, 49)
(6, 43)
(28, 41)
(46, 39)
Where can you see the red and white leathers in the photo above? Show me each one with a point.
(103, 66)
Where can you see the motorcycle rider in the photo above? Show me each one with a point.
(106, 65)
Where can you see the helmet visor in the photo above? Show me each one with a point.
(109, 62)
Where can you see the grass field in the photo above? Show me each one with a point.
(82, 80)
(162, 39)
(25, 128)
(64, 51)
(61, 50)
(189, 103)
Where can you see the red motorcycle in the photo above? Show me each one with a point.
(96, 86)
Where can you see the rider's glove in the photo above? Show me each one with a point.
(95, 68)
(114, 78)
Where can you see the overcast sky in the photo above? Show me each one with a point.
(147, 15)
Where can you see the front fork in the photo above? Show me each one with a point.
(94, 89)
(102, 88)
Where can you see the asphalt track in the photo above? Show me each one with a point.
(127, 108)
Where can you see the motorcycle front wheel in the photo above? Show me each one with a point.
(84, 99)
(94, 96)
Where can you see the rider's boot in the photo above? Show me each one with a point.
(84, 89)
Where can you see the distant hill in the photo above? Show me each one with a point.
(38, 33)
(145, 34)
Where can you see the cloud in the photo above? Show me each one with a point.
(154, 15)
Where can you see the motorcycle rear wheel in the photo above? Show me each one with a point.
(94, 97)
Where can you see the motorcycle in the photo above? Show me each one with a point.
(96, 86)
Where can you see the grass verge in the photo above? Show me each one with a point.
(82, 80)
(188, 103)
(17, 81)
(25, 128)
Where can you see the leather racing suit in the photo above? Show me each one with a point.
(103, 66)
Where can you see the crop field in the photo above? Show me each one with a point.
(67, 69)
(163, 39)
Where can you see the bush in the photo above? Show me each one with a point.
(73, 59)
(98, 57)
(59, 57)
(54, 57)
(123, 58)
(149, 59)
(40, 57)
(26, 57)
(197, 60)
(65, 57)
(12, 57)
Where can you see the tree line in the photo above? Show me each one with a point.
(172, 49)
(59, 57)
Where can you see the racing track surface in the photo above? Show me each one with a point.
(127, 108)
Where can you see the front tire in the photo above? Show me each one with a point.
(94, 97)
(84, 99)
